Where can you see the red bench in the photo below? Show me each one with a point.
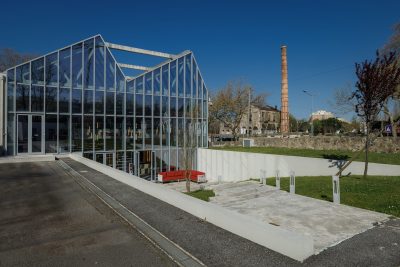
(175, 176)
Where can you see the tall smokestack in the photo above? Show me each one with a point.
(284, 94)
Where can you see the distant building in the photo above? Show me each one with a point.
(321, 115)
(263, 120)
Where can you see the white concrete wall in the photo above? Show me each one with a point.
(291, 244)
(239, 166)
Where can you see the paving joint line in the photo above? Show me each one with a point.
(175, 252)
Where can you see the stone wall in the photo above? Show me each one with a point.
(381, 144)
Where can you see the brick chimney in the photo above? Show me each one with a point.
(284, 93)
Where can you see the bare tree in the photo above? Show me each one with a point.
(230, 104)
(377, 81)
(342, 103)
(9, 58)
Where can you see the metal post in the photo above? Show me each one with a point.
(292, 182)
(248, 117)
(336, 189)
(277, 180)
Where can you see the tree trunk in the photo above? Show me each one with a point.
(366, 152)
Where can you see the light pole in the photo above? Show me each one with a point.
(312, 108)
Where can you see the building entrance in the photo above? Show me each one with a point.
(30, 134)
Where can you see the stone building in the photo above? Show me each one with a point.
(321, 115)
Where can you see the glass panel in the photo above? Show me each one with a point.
(139, 133)
(77, 66)
(199, 85)
(129, 133)
(156, 82)
(204, 91)
(76, 132)
(165, 106)
(148, 85)
(194, 75)
(99, 133)
(51, 69)
(63, 133)
(119, 103)
(99, 102)
(110, 133)
(88, 101)
(22, 127)
(181, 107)
(22, 97)
(88, 155)
(51, 99)
(10, 90)
(165, 132)
(147, 105)
(36, 134)
(37, 98)
(119, 133)
(99, 68)
(173, 136)
(173, 160)
(147, 132)
(64, 97)
(180, 77)
(139, 105)
(88, 64)
(181, 132)
(172, 85)
(129, 104)
(88, 133)
(120, 81)
(110, 72)
(76, 101)
(65, 67)
(110, 103)
(23, 75)
(119, 160)
(188, 76)
(139, 85)
(156, 106)
(173, 107)
(165, 160)
(165, 80)
(187, 108)
(130, 86)
(156, 133)
(10, 134)
(205, 109)
(38, 71)
(51, 134)
(100, 158)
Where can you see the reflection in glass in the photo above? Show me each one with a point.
(22, 97)
(99, 133)
(51, 69)
(63, 104)
(38, 71)
(165, 106)
(172, 81)
(37, 134)
(139, 85)
(130, 86)
(156, 106)
(119, 133)
(23, 75)
(180, 77)
(51, 99)
(65, 69)
(88, 133)
(10, 90)
(51, 133)
(188, 77)
(37, 98)
(119, 103)
(156, 82)
(139, 105)
(129, 104)
(165, 128)
(63, 135)
(173, 136)
(110, 72)
(109, 133)
(76, 101)
(173, 107)
(139, 132)
(76, 133)
(120, 81)
(156, 132)
(147, 132)
(129, 132)
(165, 80)
(181, 132)
(99, 102)
(88, 101)
(148, 83)
(110, 103)
(88, 66)
(181, 107)
(99, 67)
(77, 66)
(22, 128)
(147, 105)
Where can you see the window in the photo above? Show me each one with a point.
(156, 82)
(180, 77)
(23, 75)
(99, 67)
(51, 99)
(99, 102)
(110, 103)
(99, 133)
(139, 105)
(88, 66)
(77, 66)
(51, 133)
(109, 133)
(188, 77)
(51, 69)
(147, 105)
(63, 133)
(173, 78)
(120, 81)
(165, 80)
(38, 71)
(156, 106)
(22, 97)
(119, 105)
(88, 101)
(139, 85)
(10, 90)
(37, 98)
(129, 104)
(76, 133)
(65, 67)
(64, 100)
(76, 101)
(148, 84)
(88, 133)
(119, 133)
(110, 72)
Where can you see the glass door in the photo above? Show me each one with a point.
(30, 134)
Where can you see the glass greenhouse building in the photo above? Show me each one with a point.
(78, 100)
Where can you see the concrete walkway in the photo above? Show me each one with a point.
(328, 223)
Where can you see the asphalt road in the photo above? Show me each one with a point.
(47, 219)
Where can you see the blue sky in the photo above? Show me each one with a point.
(231, 39)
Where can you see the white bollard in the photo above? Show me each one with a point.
(277, 180)
(336, 189)
(292, 182)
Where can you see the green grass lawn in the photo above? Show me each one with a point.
(202, 194)
(377, 193)
(386, 158)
